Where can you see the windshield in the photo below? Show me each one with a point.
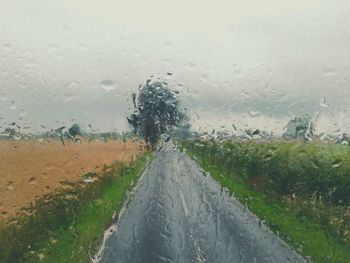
(174, 131)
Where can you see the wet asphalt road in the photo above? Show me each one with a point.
(179, 215)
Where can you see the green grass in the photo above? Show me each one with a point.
(303, 233)
(74, 245)
(67, 230)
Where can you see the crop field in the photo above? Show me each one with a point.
(30, 170)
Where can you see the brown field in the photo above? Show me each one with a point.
(31, 169)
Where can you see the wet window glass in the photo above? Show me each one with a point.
(174, 131)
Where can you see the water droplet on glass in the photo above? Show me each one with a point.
(324, 103)
(108, 84)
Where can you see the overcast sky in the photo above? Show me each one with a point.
(252, 63)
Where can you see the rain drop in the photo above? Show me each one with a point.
(107, 84)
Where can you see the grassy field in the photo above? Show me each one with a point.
(299, 190)
(69, 226)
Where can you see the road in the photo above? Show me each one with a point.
(179, 214)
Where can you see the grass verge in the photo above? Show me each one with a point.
(304, 234)
(68, 226)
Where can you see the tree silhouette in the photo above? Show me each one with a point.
(73, 132)
(157, 111)
(299, 128)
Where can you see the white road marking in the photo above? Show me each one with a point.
(184, 206)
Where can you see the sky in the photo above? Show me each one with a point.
(255, 64)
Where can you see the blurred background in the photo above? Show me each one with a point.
(252, 64)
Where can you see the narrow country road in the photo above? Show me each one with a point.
(178, 214)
